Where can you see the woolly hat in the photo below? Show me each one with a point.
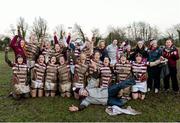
(140, 42)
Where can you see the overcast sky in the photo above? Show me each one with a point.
(90, 13)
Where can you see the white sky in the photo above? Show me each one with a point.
(90, 13)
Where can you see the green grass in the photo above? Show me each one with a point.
(159, 107)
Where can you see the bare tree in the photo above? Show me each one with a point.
(177, 28)
(12, 30)
(173, 32)
(59, 29)
(142, 30)
(170, 32)
(23, 26)
(118, 33)
(39, 28)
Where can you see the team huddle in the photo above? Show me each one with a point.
(108, 75)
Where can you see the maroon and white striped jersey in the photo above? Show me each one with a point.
(57, 55)
(120, 51)
(98, 65)
(123, 71)
(64, 74)
(31, 50)
(47, 54)
(87, 51)
(77, 52)
(139, 70)
(80, 73)
(105, 76)
(39, 71)
(20, 71)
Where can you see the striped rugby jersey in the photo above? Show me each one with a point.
(123, 71)
(139, 70)
(105, 76)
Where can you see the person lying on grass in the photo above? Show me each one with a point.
(104, 96)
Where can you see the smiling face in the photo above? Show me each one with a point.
(115, 42)
(97, 56)
(169, 43)
(102, 45)
(140, 45)
(154, 45)
(53, 60)
(57, 47)
(123, 59)
(128, 48)
(22, 43)
(41, 59)
(61, 60)
(19, 60)
(82, 58)
(32, 38)
(47, 45)
(106, 61)
(138, 59)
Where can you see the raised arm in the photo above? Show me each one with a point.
(6, 57)
(55, 38)
(13, 41)
(68, 39)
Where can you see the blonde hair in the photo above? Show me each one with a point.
(99, 42)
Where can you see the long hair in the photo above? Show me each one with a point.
(100, 43)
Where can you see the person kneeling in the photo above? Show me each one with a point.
(38, 75)
(51, 78)
(20, 77)
(139, 69)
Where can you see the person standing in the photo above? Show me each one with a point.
(140, 48)
(17, 44)
(112, 49)
(154, 54)
(102, 49)
(38, 77)
(50, 85)
(171, 53)
(20, 79)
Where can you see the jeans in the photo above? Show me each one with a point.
(173, 76)
(114, 90)
(154, 76)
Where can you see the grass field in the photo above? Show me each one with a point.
(160, 107)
